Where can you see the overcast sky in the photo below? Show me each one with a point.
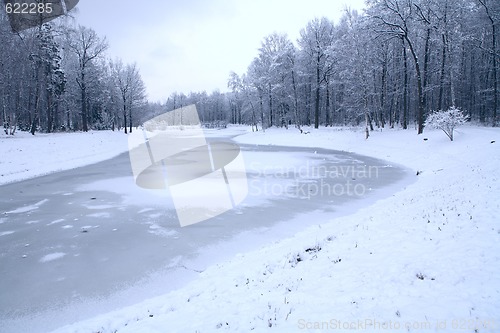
(192, 45)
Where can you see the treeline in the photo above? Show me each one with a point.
(390, 66)
(56, 77)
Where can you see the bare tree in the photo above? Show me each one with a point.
(275, 60)
(137, 92)
(87, 46)
(395, 18)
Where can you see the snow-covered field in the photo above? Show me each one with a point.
(424, 259)
(26, 156)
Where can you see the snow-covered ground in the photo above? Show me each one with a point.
(26, 156)
(424, 259)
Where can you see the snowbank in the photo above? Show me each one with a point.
(425, 259)
(26, 156)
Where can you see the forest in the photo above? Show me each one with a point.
(389, 66)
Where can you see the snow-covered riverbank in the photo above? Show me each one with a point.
(425, 259)
(26, 156)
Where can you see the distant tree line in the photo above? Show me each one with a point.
(56, 77)
(391, 66)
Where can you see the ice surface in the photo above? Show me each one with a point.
(52, 256)
(135, 233)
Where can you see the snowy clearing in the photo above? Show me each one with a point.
(26, 209)
(425, 259)
(26, 156)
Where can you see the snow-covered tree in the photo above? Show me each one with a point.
(87, 46)
(446, 120)
(132, 90)
(315, 41)
(50, 57)
(274, 55)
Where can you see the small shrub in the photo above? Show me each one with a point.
(446, 120)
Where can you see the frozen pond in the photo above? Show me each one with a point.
(77, 243)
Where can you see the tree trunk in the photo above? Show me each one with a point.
(295, 101)
(384, 91)
(494, 58)
(68, 120)
(316, 110)
(130, 117)
(125, 115)
(261, 102)
(57, 117)
(83, 89)
(34, 119)
(420, 114)
(405, 88)
(426, 67)
(441, 79)
(495, 78)
(271, 120)
(327, 109)
(367, 121)
(50, 114)
(308, 97)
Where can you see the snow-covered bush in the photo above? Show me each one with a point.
(446, 120)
